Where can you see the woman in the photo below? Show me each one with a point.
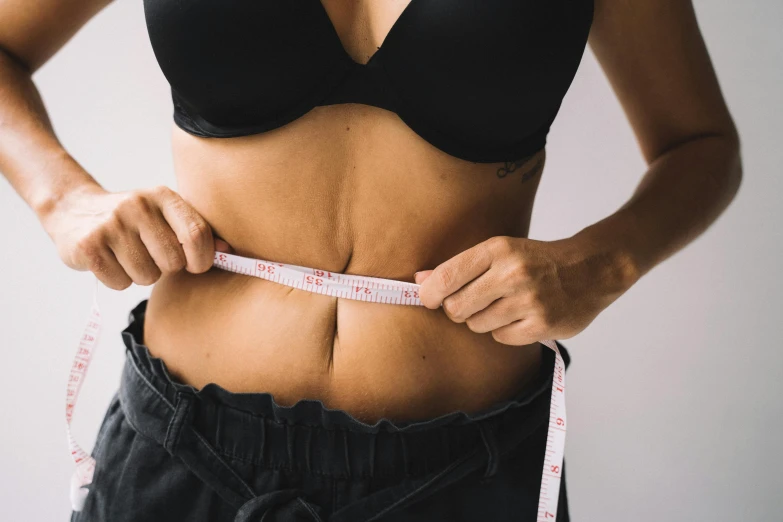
(384, 139)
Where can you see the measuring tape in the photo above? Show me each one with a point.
(361, 288)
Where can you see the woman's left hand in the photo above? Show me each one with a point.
(521, 290)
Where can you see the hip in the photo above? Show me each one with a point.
(168, 452)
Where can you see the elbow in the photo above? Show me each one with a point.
(9, 57)
(733, 151)
(724, 147)
(720, 152)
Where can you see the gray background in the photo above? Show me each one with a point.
(674, 395)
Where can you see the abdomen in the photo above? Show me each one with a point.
(346, 188)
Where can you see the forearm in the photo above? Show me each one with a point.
(682, 193)
(31, 157)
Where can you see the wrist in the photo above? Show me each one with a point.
(49, 198)
(606, 254)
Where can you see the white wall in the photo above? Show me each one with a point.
(674, 392)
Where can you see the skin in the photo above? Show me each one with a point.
(349, 188)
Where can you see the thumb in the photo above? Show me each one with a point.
(419, 277)
(223, 246)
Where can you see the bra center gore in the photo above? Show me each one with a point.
(384, 41)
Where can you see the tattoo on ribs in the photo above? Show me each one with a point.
(511, 166)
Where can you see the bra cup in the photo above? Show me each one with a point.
(487, 88)
(240, 62)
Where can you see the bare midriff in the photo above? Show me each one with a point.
(351, 189)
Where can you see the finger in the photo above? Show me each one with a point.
(135, 259)
(162, 243)
(518, 333)
(222, 246)
(498, 314)
(419, 277)
(108, 270)
(475, 296)
(451, 275)
(191, 230)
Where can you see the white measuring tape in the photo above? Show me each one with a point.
(369, 289)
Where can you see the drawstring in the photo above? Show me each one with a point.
(405, 459)
(287, 505)
(289, 441)
(372, 455)
(183, 414)
(346, 453)
(491, 445)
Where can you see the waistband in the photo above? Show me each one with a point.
(308, 436)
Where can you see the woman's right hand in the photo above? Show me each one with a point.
(131, 237)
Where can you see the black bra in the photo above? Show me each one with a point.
(481, 80)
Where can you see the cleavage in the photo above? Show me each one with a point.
(363, 25)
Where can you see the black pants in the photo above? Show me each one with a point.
(167, 452)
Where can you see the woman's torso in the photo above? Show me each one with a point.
(347, 188)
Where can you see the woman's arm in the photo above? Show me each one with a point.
(655, 59)
(122, 238)
(31, 156)
(524, 290)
